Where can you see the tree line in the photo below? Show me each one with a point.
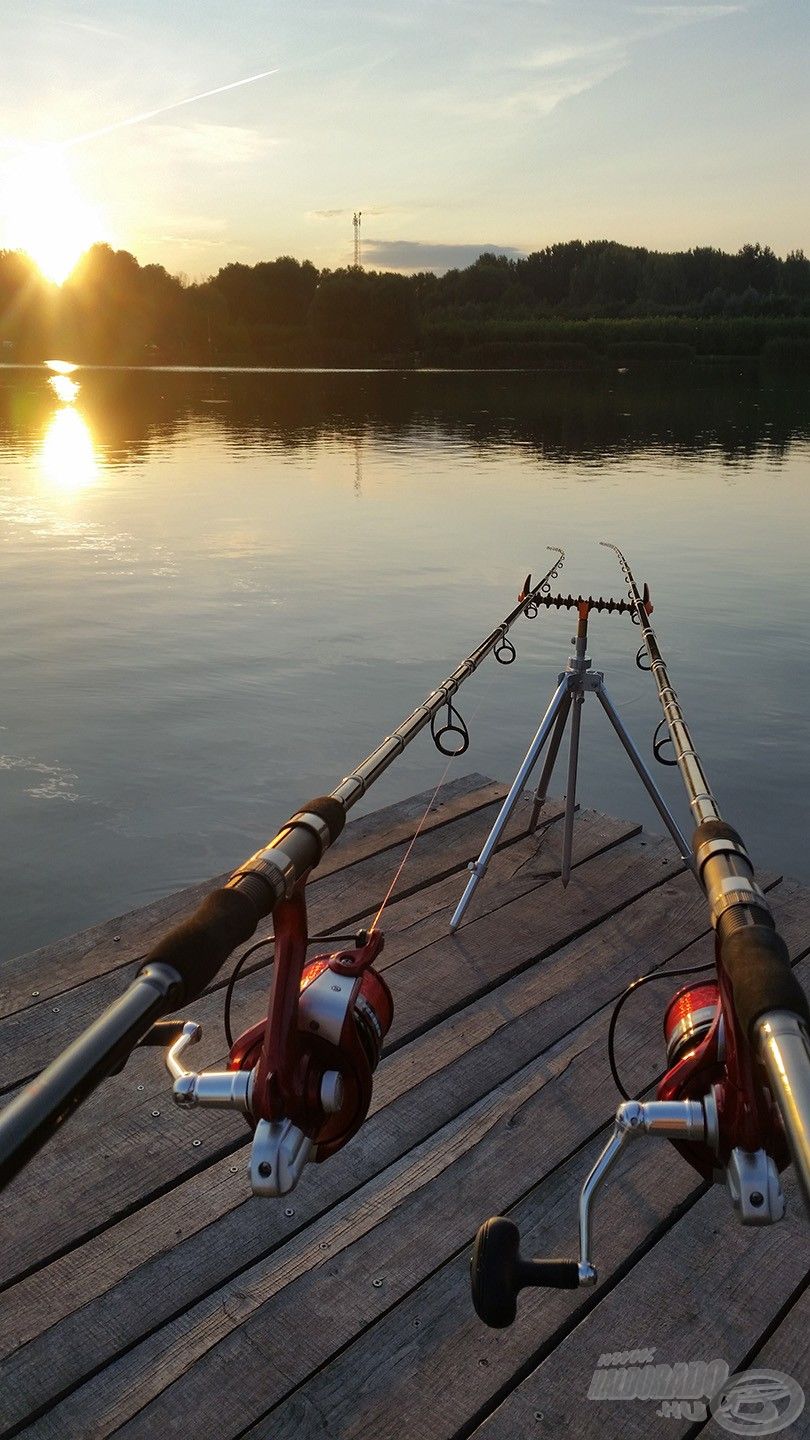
(572, 303)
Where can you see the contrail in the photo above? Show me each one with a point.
(161, 110)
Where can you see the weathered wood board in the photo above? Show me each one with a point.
(143, 1291)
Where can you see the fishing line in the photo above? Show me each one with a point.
(403, 862)
(269, 939)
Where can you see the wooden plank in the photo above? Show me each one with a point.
(149, 1288)
(435, 1361)
(787, 1348)
(282, 1317)
(115, 1155)
(418, 920)
(522, 932)
(54, 968)
(417, 1089)
(28, 1039)
(206, 1198)
(430, 1369)
(706, 1291)
(456, 1021)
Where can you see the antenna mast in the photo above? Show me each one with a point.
(356, 223)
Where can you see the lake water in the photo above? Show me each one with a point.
(221, 589)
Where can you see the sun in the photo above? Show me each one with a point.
(45, 214)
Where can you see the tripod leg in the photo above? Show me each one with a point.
(646, 778)
(571, 787)
(478, 867)
(549, 762)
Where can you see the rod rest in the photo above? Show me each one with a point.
(574, 602)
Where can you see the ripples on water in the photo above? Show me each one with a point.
(223, 588)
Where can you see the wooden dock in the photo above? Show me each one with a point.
(145, 1293)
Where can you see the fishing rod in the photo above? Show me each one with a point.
(302, 1077)
(735, 1099)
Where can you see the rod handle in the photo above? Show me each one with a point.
(198, 947)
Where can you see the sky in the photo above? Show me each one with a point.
(452, 125)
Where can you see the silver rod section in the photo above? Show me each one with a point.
(549, 762)
(352, 787)
(783, 1047)
(699, 791)
(646, 778)
(479, 866)
(571, 787)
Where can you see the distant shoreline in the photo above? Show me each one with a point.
(576, 307)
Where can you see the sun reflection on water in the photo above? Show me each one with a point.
(64, 388)
(67, 458)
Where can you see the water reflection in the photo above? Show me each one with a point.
(67, 458)
(64, 388)
(277, 566)
(61, 367)
(563, 418)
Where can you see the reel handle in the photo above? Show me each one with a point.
(498, 1272)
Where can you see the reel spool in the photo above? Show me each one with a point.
(689, 1017)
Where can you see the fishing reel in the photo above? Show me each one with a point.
(710, 1104)
(303, 1076)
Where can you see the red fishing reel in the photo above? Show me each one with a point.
(710, 1061)
(312, 1061)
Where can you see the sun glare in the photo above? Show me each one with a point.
(67, 457)
(45, 214)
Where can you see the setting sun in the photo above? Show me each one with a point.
(45, 214)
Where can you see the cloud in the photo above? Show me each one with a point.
(421, 255)
(87, 29)
(194, 242)
(536, 82)
(193, 224)
(555, 56)
(688, 12)
(200, 143)
(538, 99)
(338, 214)
(507, 87)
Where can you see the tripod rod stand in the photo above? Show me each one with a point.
(576, 681)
